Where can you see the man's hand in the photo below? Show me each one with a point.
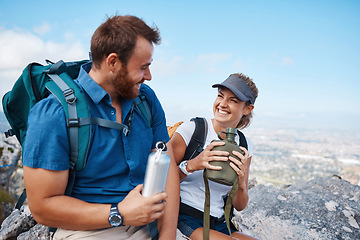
(138, 210)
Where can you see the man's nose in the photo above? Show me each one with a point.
(147, 75)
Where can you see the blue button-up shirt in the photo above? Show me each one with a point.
(115, 163)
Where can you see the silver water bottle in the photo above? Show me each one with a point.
(156, 171)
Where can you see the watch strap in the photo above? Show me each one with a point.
(115, 218)
(183, 166)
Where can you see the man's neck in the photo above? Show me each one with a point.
(100, 77)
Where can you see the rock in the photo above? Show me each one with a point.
(17, 222)
(39, 232)
(323, 208)
(21, 225)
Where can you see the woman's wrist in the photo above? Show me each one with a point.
(189, 168)
(183, 166)
(242, 187)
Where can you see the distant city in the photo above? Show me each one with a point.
(283, 156)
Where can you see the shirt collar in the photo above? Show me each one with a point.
(94, 90)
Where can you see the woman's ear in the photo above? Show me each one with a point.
(248, 109)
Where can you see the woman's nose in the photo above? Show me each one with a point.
(223, 103)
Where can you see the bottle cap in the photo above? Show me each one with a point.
(231, 130)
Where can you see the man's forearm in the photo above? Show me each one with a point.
(70, 213)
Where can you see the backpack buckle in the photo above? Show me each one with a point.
(69, 95)
(126, 131)
(73, 122)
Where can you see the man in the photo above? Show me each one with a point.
(122, 50)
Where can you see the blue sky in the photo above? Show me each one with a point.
(304, 56)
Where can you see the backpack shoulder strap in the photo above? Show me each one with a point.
(242, 140)
(143, 106)
(75, 106)
(78, 119)
(197, 141)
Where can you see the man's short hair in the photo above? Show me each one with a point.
(119, 35)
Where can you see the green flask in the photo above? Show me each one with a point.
(226, 175)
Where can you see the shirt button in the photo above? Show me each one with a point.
(112, 112)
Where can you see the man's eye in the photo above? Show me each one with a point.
(144, 67)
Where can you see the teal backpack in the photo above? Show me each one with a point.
(37, 82)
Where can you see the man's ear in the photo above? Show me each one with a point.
(113, 62)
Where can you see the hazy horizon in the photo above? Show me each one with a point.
(302, 55)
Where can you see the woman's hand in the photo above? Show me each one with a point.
(241, 167)
(203, 160)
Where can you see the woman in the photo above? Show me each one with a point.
(232, 108)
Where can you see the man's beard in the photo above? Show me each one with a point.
(125, 87)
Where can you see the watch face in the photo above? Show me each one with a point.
(183, 165)
(115, 220)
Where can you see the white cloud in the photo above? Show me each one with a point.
(287, 61)
(239, 65)
(164, 67)
(42, 29)
(208, 62)
(167, 65)
(18, 48)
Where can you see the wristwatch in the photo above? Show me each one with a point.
(115, 218)
(182, 167)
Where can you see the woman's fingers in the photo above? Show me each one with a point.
(238, 166)
(238, 170)
(213, 167)
(236, 161)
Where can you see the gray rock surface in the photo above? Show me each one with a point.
(324, 208)
(39, 232)
(17, 222)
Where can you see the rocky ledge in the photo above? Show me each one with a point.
(324, 208)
